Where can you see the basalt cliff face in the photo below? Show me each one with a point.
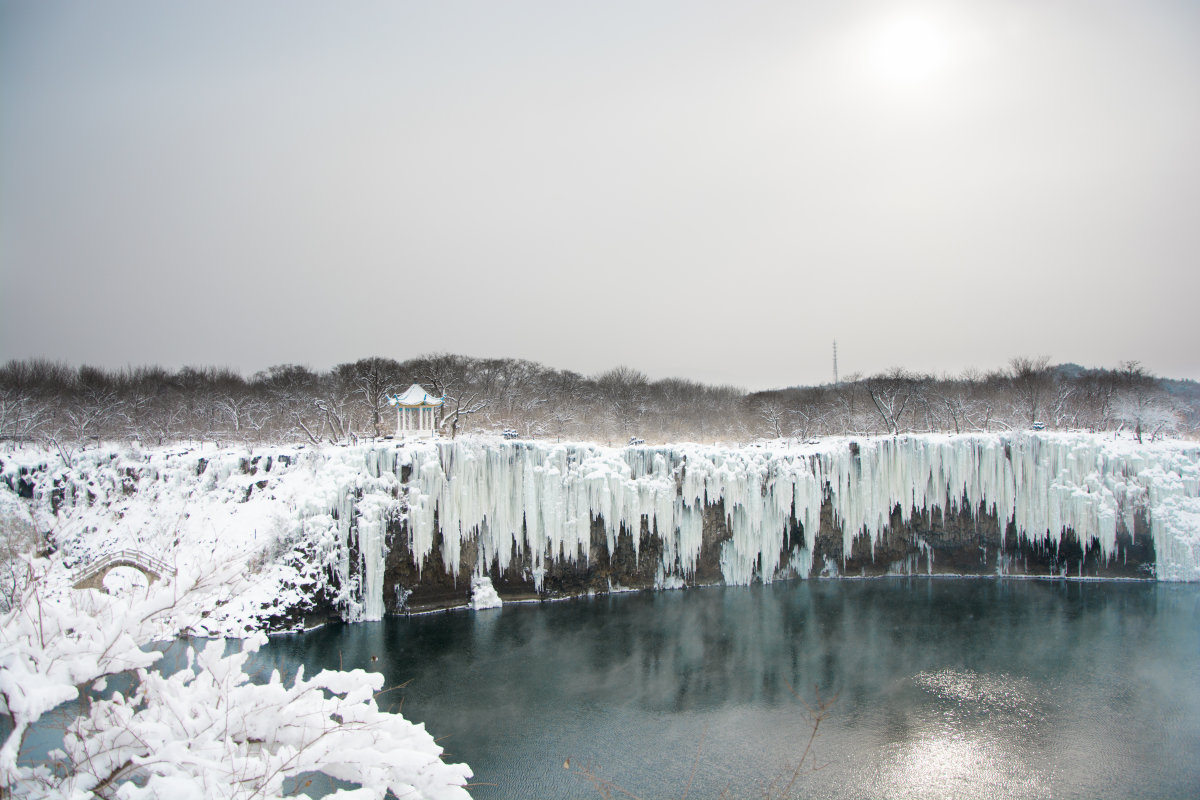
(390, 527)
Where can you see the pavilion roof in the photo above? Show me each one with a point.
(416, 397)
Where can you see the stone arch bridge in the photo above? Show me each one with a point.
(92, 576)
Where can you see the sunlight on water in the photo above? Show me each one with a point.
(971, 747)
(953, 765)
(962, 687)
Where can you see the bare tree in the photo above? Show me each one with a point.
(21, 417)
(952, 398)
(68, 408)
(850, 404)
(460, 381)
(96, 406)
(806, 422)
(893, 393)
(337, 421)
(290, 391)
(1032, 383)
(1095, 398)
(245, 412)
(166, 425)
(512, 385)
(371, 380)
(564, 400)
(623, 392)
(773, 416)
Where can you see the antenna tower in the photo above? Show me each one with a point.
(835, 375)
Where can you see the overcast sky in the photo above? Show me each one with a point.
(711, 190)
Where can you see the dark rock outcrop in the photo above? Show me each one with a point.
(934, 543)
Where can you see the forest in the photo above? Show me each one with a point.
(69, 407)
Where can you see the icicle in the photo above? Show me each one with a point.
(542, 498)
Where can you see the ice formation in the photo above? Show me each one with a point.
(305, 518)
(483, 594)
(542, 498)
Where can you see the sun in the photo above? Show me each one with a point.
(908, 51)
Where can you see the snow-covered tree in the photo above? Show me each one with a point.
(1142, 403)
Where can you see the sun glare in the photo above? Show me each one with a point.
(908, 51)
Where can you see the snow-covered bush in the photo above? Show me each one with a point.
(207, 731)
(203, 732)
(52, 642)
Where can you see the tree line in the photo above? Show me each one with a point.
(67, 407)
(1029, 394)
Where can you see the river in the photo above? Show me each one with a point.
(937, 687)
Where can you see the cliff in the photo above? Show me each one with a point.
(390, 527)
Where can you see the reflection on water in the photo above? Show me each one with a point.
(945, 688)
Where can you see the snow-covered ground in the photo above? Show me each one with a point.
(279, 520)
(291, 521)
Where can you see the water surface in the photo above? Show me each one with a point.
(944, 688)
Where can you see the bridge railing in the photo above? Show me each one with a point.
(136, 557)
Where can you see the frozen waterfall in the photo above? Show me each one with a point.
(322, 521)
(542, 498)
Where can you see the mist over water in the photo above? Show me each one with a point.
(944, 688)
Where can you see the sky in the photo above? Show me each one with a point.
(709, 190)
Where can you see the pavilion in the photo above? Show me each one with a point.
(416, 412)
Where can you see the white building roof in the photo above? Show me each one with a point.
(416, 397)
